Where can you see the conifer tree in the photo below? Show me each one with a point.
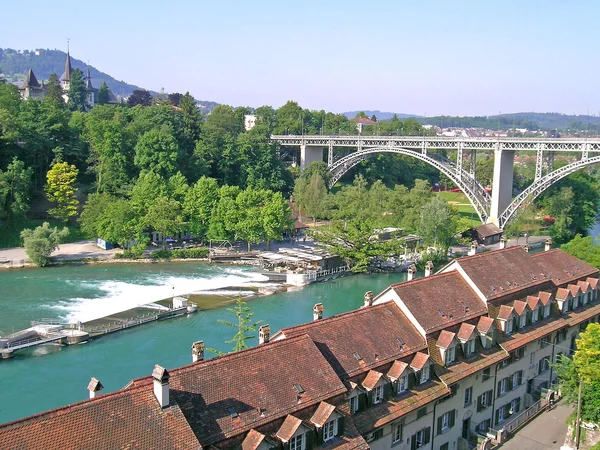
(103, 94)
(77, 92)
(54, 93)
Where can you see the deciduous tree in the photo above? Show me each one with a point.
(77, 92)
(103, 94)
(140, 97)
(60, 189)
(41, 242)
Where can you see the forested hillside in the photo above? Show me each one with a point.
(15, 64)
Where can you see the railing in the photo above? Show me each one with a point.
(46, 321)
(511, 425)
(326, 272)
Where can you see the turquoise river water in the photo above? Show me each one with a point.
(50, 376)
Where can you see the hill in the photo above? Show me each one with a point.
(531, 121)
(44, 62)
(379, 114)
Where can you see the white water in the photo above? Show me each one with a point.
(117, 296)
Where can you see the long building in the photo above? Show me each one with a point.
(440, 362)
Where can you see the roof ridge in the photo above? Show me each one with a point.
(438, 275)
(493, 252)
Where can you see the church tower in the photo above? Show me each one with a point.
(65, 79)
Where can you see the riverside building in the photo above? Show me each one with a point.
(440, 363)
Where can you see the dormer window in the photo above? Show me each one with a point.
(509, 326)
(353, 401)
(547, 310)
(535, 315)
(402, 384)
(522, 321)
(330, 429)
(424, 375)
(377, 394)
(470, 347)
(451, 355)
(297, 442)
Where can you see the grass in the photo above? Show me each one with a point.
(10, 236)
(462, 205)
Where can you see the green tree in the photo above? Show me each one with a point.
(77, 92)
(584, 248)
(60, 189)
(157, 150)
(54, 93)
(103, 94)
(311, 196)
(110, 218)
(15, 185)
(244, 326)
(140, 97)
(200, 200)
(438, 223)
(41, 242)
(276, 217)
(164, 217)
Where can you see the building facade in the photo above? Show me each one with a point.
(442, 362)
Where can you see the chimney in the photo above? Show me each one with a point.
(161, 385)
(264, 334)
(412, 270)
(547, 244)
(527, 247)
(94, 387)
(368, 298)
(473, 249)
(318, 311)
(429, 268)
(502, 242)
(198, 351)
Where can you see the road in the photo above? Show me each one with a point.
(546, 431)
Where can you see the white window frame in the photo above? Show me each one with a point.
(446, 421)
(501, 415)
(424, 375)
(522, 320)
(420, 442)
(402, 384)
(450, 354)
(468, 396)
(353, 401)
(330, 429)
(485, 400)
(503, 386)
(532, 360)
(509, 326)
(535, 315)
(377, 394)
(396, 433)
(547, 310)
(470, 347)
(297, 442)
(515, 379)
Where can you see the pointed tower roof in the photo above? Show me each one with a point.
(88, 79)
(66, 76)
(31, 80)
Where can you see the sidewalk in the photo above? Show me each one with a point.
(546, 431)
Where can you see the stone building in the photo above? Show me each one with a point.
(32, 88)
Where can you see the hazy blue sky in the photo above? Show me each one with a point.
(421, 57)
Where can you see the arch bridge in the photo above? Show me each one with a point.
(500, 207)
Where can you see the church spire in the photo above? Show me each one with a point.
(66, 76)
(88, 79)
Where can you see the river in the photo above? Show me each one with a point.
(50, 376)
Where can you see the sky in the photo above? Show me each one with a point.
(423, 57)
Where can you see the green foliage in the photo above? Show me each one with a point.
(103, 94)
(180, 253)
(584, 248)
(163, 216)
(77, 92)
(244, 326)
(60, 189)
(54, 92)
(311, 196)
(157, 151)
(161, 254)
(41, 242)
(438, 223)
(140, 97)
(15, 186)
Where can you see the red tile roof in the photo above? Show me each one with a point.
(503, 271)
(467, 367)
(562, 267)
(289, 427)
(397, 369)
(130, 418)
(545, 297)
(579, 316)
(519, 307)
(445, 339)
(419, 361)
(530, 334)
(485, 324)
(253, 440)
(258, 385)
(575, 289)
(322, 414)
(376, 334)
(593, 282)
(505, 312)
(465, 331)
(440, 300)
(532, 301)
(584, 285)
(563, 294)
(371, 379)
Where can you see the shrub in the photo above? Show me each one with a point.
(41, 242)
(187, 253)
(160, 254)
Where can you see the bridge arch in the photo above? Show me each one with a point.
(540, 185)
(477, 195)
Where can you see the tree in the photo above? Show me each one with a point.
(41, 242)
(438, 223)
(311, 196)
(584, 248)
(60, 189)
(54, 93)
(276, 216)
(103, 94)
(140, 97)
(15, 185)
(584, 368)
(200, 200)
(77, 92)
(174, 98)
(157, 150)
(164, 217)
(243, 326)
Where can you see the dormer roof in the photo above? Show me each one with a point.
(465, 332)
(419, 361)
(532, 301)
(505, 312)
(593, 282)
(584, 285)
(322, 414)
(253, 440)
(485, 324)
(563, 294)
(371, 379)
(545, 297)
(519, 307)
(397, 370)
(574, 289)
(288, 428)
(445, 339)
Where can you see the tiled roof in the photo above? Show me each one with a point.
(488, 229)
(465, 332)
(397, 407)
(584, 285)
(545, 297)
(575, 289)
(130, 418)
(229, 395)
(505, 312)
(519, 307)
(440, 300)
(253, 440)
(322, 414)
(289, 427)
(445, 339)
(351, 439)
(397, 369)
(562, 267)
(532, 301)
(419, 361)
(503, 271)
(562, 294)
(530, 334)
(485, 324)
(593, 282)
(581, 315)
(466, 367)
(371, 379)
(376, 334)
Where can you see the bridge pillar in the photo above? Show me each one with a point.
(503, 183)
(308, 154)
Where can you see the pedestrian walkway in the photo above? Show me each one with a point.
(546, 431)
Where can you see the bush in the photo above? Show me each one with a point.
(41, 242)
(188, 253)
(160, 254)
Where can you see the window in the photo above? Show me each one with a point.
(397, 433)
(484, 400)
(424, 374)
(377, 394)
(522, 321)
(470, 347)
(402, 384)
(545, 341)
(514, 407)
(500, 415)
(482, 427)
(502, 387)
(297, 442)
(445, 422)
(450, 355)
(330, 429)
(547, 310)
(589, 297)
(518, 353)
(422, 412)
(421, 438)
(531, 359)
(353, 404)
(535, 315)
(444, 446)
(543, 365)
(486, 374)
(516, 378)
(468, 396)
(509, 326)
